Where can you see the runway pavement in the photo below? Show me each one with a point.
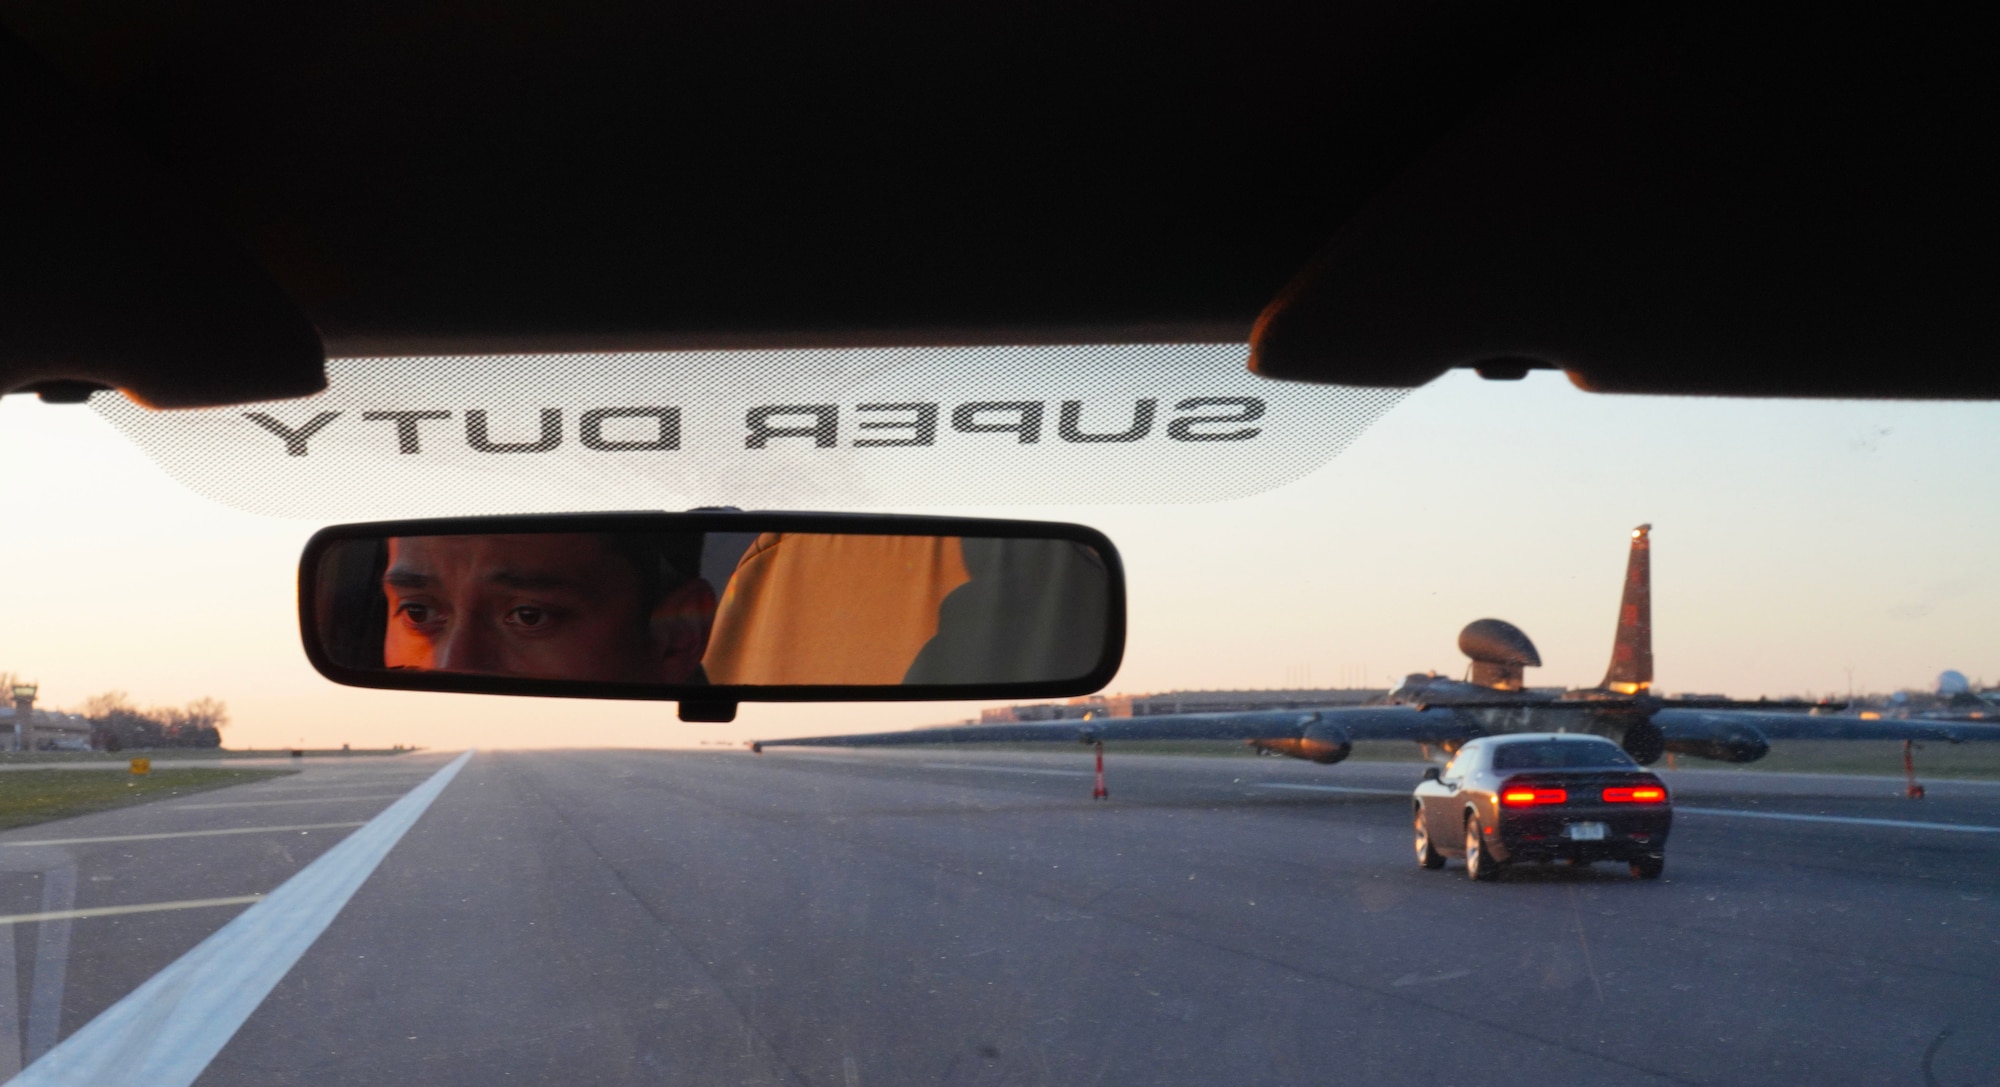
(958, 917)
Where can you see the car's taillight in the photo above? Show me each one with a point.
(1522, 798)
(1635, 794)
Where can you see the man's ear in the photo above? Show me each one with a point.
(680, 624)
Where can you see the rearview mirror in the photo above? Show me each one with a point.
(712, 609)
(1431, 773)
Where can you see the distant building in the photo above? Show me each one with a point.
(1169, 702)
(47, 730)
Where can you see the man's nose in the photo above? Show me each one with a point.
(468, 647)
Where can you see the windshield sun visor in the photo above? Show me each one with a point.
(856, 429)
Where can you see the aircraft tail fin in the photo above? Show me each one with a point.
(1631, 668)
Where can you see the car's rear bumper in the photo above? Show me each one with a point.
(1629, 835)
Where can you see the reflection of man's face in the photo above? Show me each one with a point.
(550, 606)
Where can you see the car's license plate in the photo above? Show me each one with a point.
(1585, 832)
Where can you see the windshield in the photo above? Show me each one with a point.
(1557, 755)
(476, 889)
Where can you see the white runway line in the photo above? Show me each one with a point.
(1005, 769)
(1332, 788)
(115, 911)
(292, 800)
(1853, 820)
(183, 834)
(165, 1032)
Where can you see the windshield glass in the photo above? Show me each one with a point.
(1557, 755)
(309, 883)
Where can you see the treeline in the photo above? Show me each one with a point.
(117, 725)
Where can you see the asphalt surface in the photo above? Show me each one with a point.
(942, 917)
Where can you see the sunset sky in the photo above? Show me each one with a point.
(1793, 541)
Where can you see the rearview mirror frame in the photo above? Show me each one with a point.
(711, 702)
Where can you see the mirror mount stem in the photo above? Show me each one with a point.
(714, 712)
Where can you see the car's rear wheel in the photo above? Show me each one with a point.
(1427, 854)
(1479, 865)
(1649, 867)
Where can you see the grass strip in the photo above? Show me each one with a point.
(190, 754)
(37, 796)
(1971, 761)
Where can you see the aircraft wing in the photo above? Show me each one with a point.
(1704, 725)
(1358, 722)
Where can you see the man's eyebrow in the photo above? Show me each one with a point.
(399, 578)
(535, 581)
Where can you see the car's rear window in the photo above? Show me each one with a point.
(1558, 754)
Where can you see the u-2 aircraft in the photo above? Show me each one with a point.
(1493, 700)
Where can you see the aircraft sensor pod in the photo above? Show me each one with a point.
(1731, 742)
(1320, 742)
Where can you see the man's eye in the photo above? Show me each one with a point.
(528, 616)
(415, 613)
